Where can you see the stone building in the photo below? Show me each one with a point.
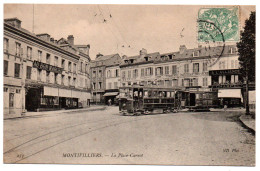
(198, 69)
(42, 74)
(101, 82)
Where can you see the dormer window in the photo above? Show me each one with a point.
(170, 56)
(195, 53)
(131, 61)
(146, 58)
(126, 61)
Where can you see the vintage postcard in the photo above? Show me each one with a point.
(129, 84)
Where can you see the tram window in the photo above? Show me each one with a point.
(204, 95)
(149, 93)
(145, 93)
(160, 94)
(140, 94)
(197, 96)
(135, 93)
(169, 94)
(155, 94)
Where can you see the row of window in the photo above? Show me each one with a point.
(116, 73)
(187, 82)
(163, 70)
(99, 85)
(223, 65)
(115, 85)
(19, 52)
(17, 74)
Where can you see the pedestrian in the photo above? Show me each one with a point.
(109, 102)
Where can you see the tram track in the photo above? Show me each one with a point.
(60, 138)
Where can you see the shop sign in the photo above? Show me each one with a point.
(47, 67)
(224, 72)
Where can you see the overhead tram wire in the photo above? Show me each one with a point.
(123, 37)
(108, 26)
(118, 41)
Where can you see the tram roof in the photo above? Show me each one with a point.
(150, 87)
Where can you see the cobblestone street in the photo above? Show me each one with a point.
(104, 136)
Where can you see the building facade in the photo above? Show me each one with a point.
(40, 74)
(199, 69)
(100, 80)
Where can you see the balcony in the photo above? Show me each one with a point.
(227, 85)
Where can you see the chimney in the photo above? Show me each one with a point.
(14, 22)
(70, 39)
(44, 36)
(52, 40)
(143, 52)
(99, 55)
(182, 49)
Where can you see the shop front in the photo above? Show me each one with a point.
(110, 98)
(230, 97)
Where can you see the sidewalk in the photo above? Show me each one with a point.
(248, 122)
(63, 111)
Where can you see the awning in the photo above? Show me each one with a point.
(64, 93)
(229, 93)
(111, 94)
(50, 91)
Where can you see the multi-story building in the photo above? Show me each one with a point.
(40, 74)
(98, 77)
(112, 79)
(198, 69)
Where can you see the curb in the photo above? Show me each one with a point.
(65, 112)
(247, 127)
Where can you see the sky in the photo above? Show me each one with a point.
(122, 29)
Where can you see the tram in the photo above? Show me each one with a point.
(196, 101)
(137, 100)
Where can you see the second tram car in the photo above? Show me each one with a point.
(144, 100)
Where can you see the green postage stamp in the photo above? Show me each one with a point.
(218, 24)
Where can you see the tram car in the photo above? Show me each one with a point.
(200, 100)
(138, 100)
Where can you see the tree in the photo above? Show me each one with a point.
(246, 50)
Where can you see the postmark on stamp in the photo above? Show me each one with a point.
(218, 24)
(215, 27)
